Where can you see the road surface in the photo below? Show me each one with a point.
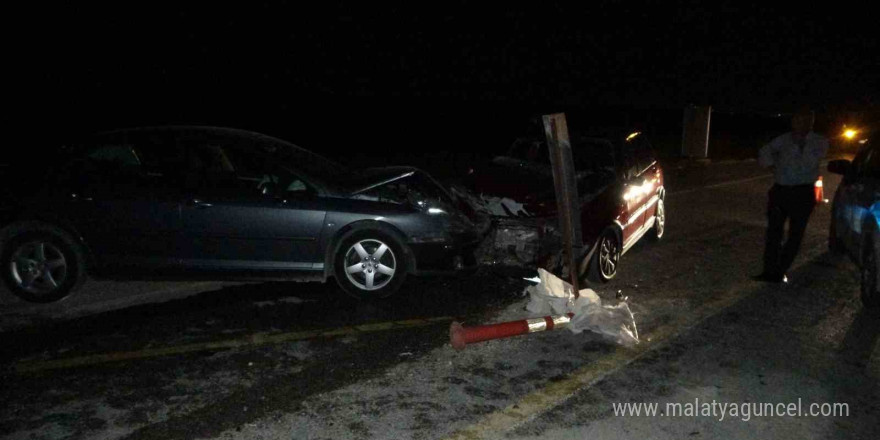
(298, 360)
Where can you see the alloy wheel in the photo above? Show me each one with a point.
(370, 264)
(608, 257)
(661, 218)
(38, 267)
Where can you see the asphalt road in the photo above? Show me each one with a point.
(298, 360)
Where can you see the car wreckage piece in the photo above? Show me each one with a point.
(512, 236)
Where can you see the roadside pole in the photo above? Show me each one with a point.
(568, 206)
(556, 133)
(695, 131)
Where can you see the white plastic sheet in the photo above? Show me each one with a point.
(553, 296)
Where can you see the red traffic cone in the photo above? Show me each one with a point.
(819, 191)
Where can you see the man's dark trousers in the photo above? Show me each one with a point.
(794, 203)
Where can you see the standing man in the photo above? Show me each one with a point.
(794, 158)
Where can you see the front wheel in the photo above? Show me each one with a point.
(603, 267)
(370, 264)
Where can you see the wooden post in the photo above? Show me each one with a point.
(695, 131)
(567, 202)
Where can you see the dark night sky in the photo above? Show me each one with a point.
(263, 65)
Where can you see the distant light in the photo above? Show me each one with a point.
(436, 211)
(632, 136)
(863, 141)
(850, 133)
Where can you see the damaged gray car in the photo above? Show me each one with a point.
(207, 202)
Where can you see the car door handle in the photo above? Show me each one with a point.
(198, 204)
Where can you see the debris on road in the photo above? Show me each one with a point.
(552, 294)
(553, 305)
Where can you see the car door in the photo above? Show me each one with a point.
(634, 197)
(865, 193)
(245, 211)
(853, 188)
(122, 205)
(648, 176)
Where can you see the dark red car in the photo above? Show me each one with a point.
(620, 187)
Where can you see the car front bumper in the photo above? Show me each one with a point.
(455, 255)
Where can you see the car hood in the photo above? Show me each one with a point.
(408, 186)
(375, 177)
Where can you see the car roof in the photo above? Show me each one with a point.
(207, 129)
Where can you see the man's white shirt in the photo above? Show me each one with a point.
(793, 166)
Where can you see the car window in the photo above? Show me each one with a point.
(118, 155)
(237, 167)
(593, 155)
(257, 170)
(637, 154)
(159, 154)
(629, 160)
(100, 165)
(594, 163)
(311, 165)
(644, 153)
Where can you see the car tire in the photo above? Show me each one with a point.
(659, 227)
(868, 274)
(605, 261)
(41, 263)
(364, 275)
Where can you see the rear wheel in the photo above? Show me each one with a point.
(659, 221)
(603, 267)
(42, 263)
(370, 264)
(869, 275)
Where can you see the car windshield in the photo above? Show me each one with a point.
(589, 154)
(592, 154)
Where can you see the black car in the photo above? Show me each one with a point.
(225, 203)
(855, 218)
